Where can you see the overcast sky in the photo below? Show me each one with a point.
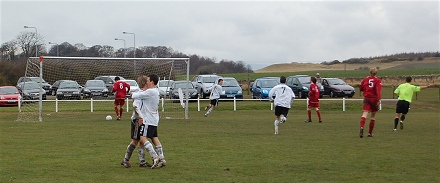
(259, 33)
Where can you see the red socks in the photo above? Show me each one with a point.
(362, 122)
(370, 130)
(116, 110)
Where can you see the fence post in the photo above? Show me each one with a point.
(91, 104)
(343, 104)
(198, 104)
(235, 104)
(19, 103)
(271, 106)
(163, 109)
(56, 104)
(126, 101)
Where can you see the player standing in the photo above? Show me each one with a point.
(282, 96)
(405, 92)
(121, 88)
(313, 100)
(371, 87)
(215, 95)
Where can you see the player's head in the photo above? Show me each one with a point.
(142, 81)
(220, 81)
(282, 79)
(117, 78)
(373, 71)
(408, 79)
(317, 75)
(313, 79)
(154, 78)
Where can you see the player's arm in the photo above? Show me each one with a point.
(141, 95)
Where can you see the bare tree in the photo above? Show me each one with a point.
(27, 41)
(8, 50)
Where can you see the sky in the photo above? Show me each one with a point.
(259, 33)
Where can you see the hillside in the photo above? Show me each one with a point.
(297, 67)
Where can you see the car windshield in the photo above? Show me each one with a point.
(183, 85)
(165, 83)
(230, 83)
(336, 82)
(37, 79)
(30, 86)
(304, 80)
(67, 84)
(8, 91)
(209, 79)
(131, 82)
(270, 83)
(95, 84)
(120, 77)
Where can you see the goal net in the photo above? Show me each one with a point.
(64, 98)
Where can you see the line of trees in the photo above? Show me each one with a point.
(14, 55)
(411, 56)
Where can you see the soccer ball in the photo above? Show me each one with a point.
(108, 118)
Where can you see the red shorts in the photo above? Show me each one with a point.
(371, 104)
(119, 101)
(313, 105)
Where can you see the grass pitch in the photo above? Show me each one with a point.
(227, 146)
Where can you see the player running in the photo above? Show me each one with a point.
(371, 87)
(215, 95)
(121, 88)
(313, 100)
(282, 96)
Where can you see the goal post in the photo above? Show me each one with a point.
(82, 69)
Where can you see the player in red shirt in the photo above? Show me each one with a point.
(313, 100)
(121, 88)
(371, 87)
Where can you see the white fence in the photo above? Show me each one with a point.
(270, 105)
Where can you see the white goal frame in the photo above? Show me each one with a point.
(36, 65)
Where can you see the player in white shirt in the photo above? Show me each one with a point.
(215, 95)
(282, 96)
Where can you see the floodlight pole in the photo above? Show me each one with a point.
(125, 51)
(134, 42)
(57, 47)
(36, 34)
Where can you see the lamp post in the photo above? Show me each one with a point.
(36, 34)
(57, 47)
(134, 42)
(125, 54)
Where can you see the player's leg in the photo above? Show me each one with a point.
(150, 132)
(116, 108)
(130, 148)
(121, 108)
(396, 121)
(214, 103)
(366, 109)
(159, 151)
(371, 125)
(276, 123)
(405, 110)
(318, 112)
(309, 113)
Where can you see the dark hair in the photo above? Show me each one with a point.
(408, 79)
(313, 79)
(220, 80)
(154, 78)
(117, 78)
(282, 79)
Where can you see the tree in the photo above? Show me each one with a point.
(8, 50)
(28, 41)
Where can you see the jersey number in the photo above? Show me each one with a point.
(370, 83)
(121, 86)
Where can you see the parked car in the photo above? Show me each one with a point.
(231, 88)
(276, 78)
(30, 90)
(300, 85)
(46, 85)
(95, 88)
(9, 96)
(174, 90)
(335, 87)
(55, 86)
(108, 81)
(203, 84)
(134, 87)
(261, 87)
(69, 89)
(164, 87)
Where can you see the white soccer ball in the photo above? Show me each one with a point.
(108, 118)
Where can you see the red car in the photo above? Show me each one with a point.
(9, 96)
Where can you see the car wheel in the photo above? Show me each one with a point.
(332, 94)
(350, 96)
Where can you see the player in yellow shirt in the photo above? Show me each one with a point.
(405, 92)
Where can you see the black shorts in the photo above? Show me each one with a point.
(402, 106)
(151, 131)
(281, 110)
(136, 133)
(214, 102)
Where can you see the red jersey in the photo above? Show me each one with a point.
(121, 88)
(371, 86)
(314, 93)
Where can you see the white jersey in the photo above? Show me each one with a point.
(216, 92)
(137, 103)
(149, 105)
(283, 94)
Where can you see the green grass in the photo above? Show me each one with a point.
(83, 147)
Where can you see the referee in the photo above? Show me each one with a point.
(405, 92)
